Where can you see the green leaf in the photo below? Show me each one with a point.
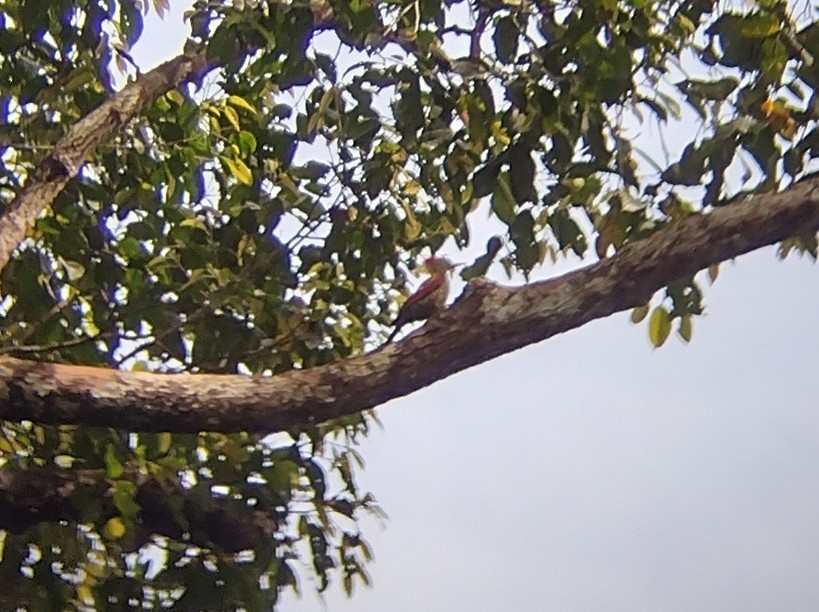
(522, 174)
(503, 203)
(409, 110)
(247, 143)
(522, 232)
(130, 247)
(485, 179)
(123, 495)
(283, 475)
(567, 232)
(113, 466)
(222, 44)
(505, 38)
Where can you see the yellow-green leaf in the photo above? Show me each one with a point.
(174, 96)
(162, 104)
(326, 99)
(113, 466)
(659, 326)
(122, 494)
(114, 528)
(78, 79)
(315, 122)
(686, 24)
(163, 442)
(74, 269)
(64, 461)
(412, 228)
(239, 169)
(685, 329)
(196, 222)
(232, 116)
(241, 103)
(85, 594)
(610, 5)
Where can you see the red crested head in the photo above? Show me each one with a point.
(438, 265)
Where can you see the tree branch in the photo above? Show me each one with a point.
(29, 497)
(51, 175)
(485, 322)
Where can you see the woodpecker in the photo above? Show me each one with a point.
(429, 299)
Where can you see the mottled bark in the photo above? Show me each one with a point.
(51, 175)
(485, 322)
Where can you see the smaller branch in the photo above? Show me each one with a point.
(453, 29)
(134, 352)
(475, 36)
(32, 496)
(42, 348)
(157, 338)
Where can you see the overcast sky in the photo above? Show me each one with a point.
(592, 472)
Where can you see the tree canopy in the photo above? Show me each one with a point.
(229, 236)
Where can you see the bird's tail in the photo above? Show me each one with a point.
(393, 333)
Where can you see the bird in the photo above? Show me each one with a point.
(429, 299)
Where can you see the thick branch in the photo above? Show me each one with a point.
(72, 150)
(29, 497)
(487, 321)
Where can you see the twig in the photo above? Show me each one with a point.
(40, 348)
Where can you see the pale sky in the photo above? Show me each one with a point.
(592, 472)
